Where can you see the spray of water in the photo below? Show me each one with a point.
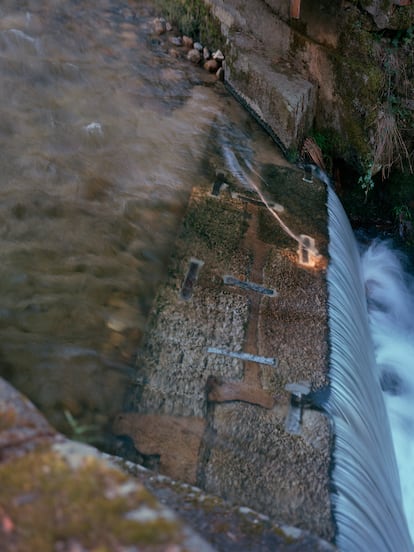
(367, 499)
(390, 293)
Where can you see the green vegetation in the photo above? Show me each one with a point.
(79, 432)
(374, 70)
(365, 180)
(193, 18)
(330, 143)
(218, 225)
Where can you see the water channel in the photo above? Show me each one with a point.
(102, 135)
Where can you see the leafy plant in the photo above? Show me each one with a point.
(402, 212)
(365, 180)
(80, 432)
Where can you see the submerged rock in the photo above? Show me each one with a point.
(194, 55)
(211, 66)
(187, 41)
(159, 25)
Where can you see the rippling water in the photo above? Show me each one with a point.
(102, 135)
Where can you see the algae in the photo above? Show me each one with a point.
(49, 503)
(218, 225)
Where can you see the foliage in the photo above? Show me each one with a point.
(376, 69)
(292, 155)
(329, 142)
(390, 144)
(402, 212)
(86, 433)
(365, 180)
(194, 19)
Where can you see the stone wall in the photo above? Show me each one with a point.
(202, 410)
(320, 73)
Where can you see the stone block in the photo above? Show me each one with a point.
(277, 95)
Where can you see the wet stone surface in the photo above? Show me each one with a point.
(102, 135)
(248, 452)
(58, 495)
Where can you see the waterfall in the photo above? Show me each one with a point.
(366, 499)
(390, 293)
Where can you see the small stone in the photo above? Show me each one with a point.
(187, 41)
(176, 40)
(168, 27)
(194, 56)
(198, 46)
(218, 55)
(220, 74)
(159, 25)
(206, 53)
(174, 52)
(211, 66)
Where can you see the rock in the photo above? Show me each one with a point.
(198, 46)
(382, 12)
(211, 65)
(44, 479)
(174, 439)
(22, 427)
(218, 55)
(206, 53)
(174, 52)
(168, 27)
(176, 40)
(194, 56)
(281, 97)
(220, 74)
(187, 41)
(159, 25)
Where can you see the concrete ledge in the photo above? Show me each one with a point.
(281, 98)
(278, 95)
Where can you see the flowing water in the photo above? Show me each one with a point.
(102, 135)
(367, 500)
(390, 292)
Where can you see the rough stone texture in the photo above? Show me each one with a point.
(322, 71)
(176, 440)
(246, 454)
(228, 528)
(278, 95)
(59, 495)
(276, 92)
(382, 11)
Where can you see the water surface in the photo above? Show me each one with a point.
(102, 136)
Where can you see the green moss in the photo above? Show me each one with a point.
(360, 83)
(218, 225)
(49, 502)
(304, 213)
(402, 17)
(331, 144)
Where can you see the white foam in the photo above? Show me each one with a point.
(390, 293)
